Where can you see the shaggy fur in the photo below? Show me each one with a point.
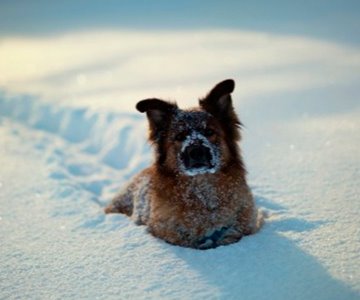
(195, 194)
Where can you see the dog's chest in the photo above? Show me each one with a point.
(202, 193)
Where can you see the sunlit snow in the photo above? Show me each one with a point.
(70, 137)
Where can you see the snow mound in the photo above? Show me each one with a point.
(93, 143)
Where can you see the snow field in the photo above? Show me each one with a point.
(61, 165)
(70, 138)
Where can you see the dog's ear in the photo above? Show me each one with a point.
(218, 103)
(159, 113)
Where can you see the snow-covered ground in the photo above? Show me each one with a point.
(70, 137)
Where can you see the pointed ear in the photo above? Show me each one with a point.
(158, 113)
(218, 101)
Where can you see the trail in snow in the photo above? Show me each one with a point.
(90, 148)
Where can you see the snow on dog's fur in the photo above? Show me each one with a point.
(195, 194)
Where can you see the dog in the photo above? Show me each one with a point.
(195, 194)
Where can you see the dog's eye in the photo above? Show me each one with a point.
(180, 136)
(209, 132)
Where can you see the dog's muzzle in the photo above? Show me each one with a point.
(196, 156)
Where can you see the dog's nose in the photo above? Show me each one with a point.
(196, 152)
(197, 156)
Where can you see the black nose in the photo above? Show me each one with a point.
(197, 156)
(196, 152)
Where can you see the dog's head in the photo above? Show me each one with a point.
(195, 141)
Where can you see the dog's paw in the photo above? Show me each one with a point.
(110, 209)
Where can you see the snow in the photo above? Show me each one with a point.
(69, 139)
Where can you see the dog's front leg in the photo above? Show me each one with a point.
(133, 199)
(122, 202)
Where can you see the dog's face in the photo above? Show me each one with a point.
(196, 141)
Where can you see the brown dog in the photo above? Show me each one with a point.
(195, 194)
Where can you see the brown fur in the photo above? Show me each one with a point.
(202, 210)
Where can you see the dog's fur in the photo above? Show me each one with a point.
(195, 194)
